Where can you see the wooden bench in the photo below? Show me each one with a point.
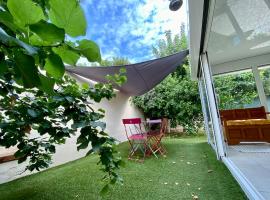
(245, 125)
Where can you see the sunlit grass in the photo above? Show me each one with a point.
(190, 169)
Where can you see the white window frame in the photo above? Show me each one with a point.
(213, 106)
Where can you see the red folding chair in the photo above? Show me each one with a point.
(155, 138)
(136, 138)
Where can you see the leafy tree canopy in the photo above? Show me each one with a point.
(235, 90)
(170, 45)
(265, 75)
(177, 96)
(40, 107)
(116, 61)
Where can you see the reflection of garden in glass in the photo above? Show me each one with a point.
(236, 90)
(265, 76)
(209, 124)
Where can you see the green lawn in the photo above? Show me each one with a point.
(183, 173)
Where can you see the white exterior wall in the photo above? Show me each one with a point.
(116, 109)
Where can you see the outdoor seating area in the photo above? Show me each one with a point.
(189, 171)
(145, 141)
(94, 96)
(245, 125)
(233, 45)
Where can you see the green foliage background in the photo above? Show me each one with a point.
(177, 96)
(40, 107)
(116, 61)
(235, 90)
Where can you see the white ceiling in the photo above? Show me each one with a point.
(240, 29)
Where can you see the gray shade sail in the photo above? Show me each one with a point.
(141, 77)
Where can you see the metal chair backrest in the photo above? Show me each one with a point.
(132, 126)
(156, 137)
(132, 121)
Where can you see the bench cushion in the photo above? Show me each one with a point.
(247, 122)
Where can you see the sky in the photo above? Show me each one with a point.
(129, 28)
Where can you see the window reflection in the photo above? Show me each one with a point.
(207, 114)
(265, 76)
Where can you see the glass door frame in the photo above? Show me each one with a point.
(220, 145)
(206, 112)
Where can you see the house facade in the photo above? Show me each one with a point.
(230, 36)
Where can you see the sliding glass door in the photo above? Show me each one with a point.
(210, 109)
(208, 122)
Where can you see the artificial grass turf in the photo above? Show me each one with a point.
(182, 173)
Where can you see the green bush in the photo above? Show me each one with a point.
(37, 39)
(176, 98)
(235, 90)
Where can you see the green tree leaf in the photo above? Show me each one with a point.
(68, 56)
(48, 32)
(11, 41)
(32, 113)
(69, 16)
(37, 41)
(54, 66)
(25, 66)
(7, 19)
(19, 154)
(58, 115)
(52, 149)
(25, 12)
(90, 50)
(47, 84)
(104, 190)
(3, 67)
(83, 145)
